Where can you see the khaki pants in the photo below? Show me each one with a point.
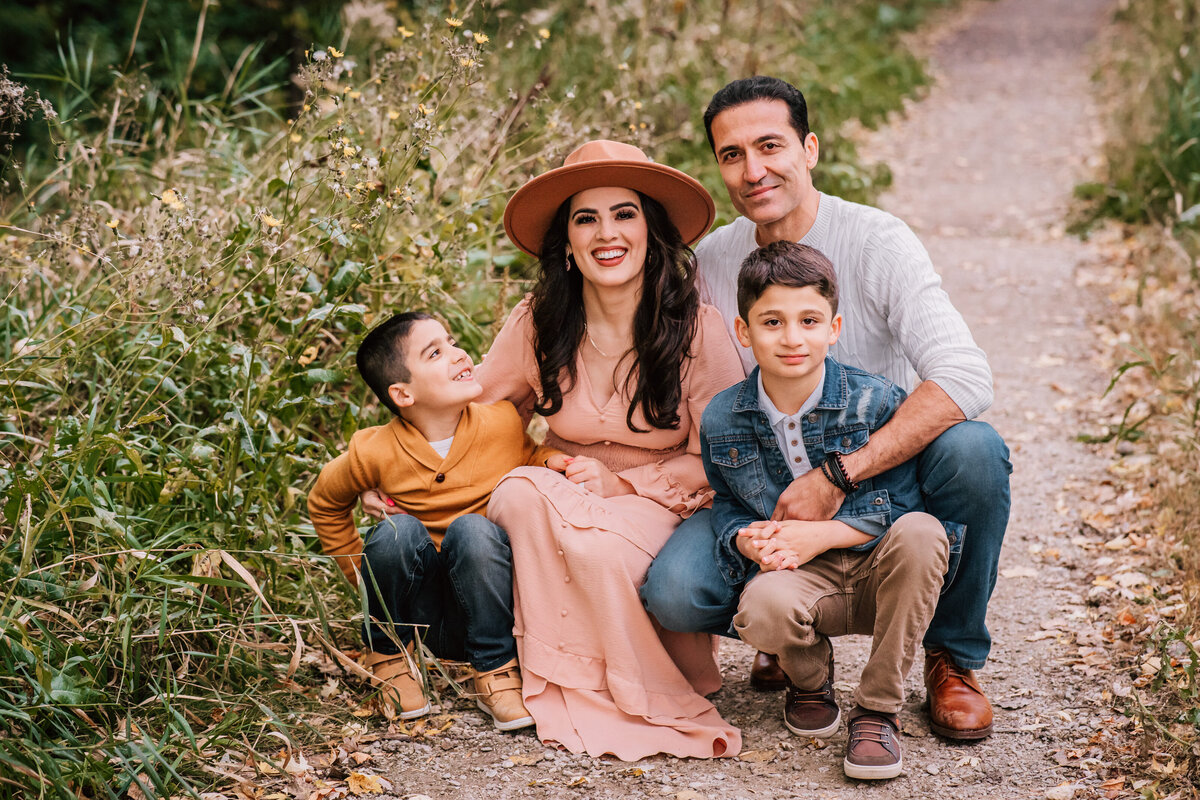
(888, 593)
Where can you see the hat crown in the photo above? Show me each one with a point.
(605, 150)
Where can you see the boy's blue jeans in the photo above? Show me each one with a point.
(964, 478)
(463, 593)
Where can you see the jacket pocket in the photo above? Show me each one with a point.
(740, 464)
(846, 439)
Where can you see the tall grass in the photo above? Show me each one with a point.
(184, 279)
(1153, 186)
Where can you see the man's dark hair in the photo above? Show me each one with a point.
(785, 264)
(760, 87)
(381, 358)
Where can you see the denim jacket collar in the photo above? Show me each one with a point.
(835, 395)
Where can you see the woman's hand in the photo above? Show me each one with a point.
(759, 543)
(595, 477)
(378, 505)
(558, 462)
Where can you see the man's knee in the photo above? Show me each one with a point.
(681, 601)
(970, 452)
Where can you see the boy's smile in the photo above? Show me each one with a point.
(790, 330)
(443, 376)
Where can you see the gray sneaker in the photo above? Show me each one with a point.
(873, 748)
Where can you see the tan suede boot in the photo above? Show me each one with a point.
(400, 682)
(498, 692)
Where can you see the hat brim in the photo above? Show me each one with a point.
(529, 213)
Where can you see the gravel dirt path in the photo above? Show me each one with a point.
(984, 167)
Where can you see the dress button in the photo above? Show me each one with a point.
(560, 552)
(566, 579)
(796, 459)
(564, 612)
(794, 442)
(608, 444)
(441, 476)
(791, 426)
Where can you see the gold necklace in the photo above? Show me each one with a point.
(588, 333)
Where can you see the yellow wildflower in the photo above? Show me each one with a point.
(296, 138)
(453, 22)
(481, 38)
(113, 223)
(348, 152)
(404, 32)
(268, 221)
(393, 115)
(637, 104)
(355, 95)
(623, 67)
(333, 51)
(309, 355)
(466, 62)
(423, 109)
(172, 200)
(544, 33)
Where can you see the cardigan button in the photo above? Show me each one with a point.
(441, 476)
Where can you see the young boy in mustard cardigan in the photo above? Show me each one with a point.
(443, 564)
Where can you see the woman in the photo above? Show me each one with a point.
(613, 347)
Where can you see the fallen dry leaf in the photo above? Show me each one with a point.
(526, 760)
(361, 783)
(1019, 572)
(757, 756)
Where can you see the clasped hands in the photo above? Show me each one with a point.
(791, 537)
(587, 472)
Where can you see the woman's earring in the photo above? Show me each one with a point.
(568, 260)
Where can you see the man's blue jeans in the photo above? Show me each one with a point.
(964, 478)
(463, 593)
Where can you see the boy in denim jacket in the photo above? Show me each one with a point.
(876, 568)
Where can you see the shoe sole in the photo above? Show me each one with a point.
(762, 685)
(510, 725)
(815, 734)
(419, 712)
(960, 735)
(864, 772)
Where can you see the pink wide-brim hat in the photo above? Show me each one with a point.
(601, 162)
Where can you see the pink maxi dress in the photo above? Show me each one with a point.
(600, 675)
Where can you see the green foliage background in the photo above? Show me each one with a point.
(187, 258)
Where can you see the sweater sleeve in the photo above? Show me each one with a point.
(928, 328)
(680, 484)
(507, 370)
(331, 504)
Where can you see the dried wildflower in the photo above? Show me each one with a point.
(466, 62)
(113, 223)
(481, 38)
(268, 221)
(453, 22)
(424, 109)
(171, 199)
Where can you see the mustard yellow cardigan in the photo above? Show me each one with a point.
(490, 440)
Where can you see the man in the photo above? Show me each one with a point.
(898, 323)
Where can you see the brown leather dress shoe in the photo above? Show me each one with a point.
(958, 708)
(765, 673)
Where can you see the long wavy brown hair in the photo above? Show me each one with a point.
(664, 323)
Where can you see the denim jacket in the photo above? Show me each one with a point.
(749, 472)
